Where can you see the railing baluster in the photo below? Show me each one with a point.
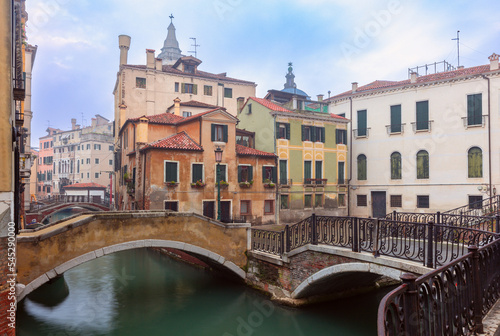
(476, 287)
(430, 244)
(314, 230)
(355, 234)
(410, 304)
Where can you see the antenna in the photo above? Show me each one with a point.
(48, 123)
(194, 45)
(458, 46)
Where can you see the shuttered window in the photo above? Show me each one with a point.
(395, 166)
(475, 162)
(221, 173)
(319, 169)
(196, 172)
(171, 169)
(361, 167)
(245, 173)
(219, 133)
(341, 136)
(362, 123)
(422, 165)
(283, 131)
(423, 115)
(283, 172)
(307, 170)
(396, 119)
(269, 174)
(341, 172)
(474, 109)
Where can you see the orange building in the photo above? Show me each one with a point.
(168, 162)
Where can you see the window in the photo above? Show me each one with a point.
(126, 138)
(269, 174)
(171, 171)
(307, 201)
(283, 172)
(341, 136)
(268, 207)
(196, 172)
(423, 115)
(172, 205)
(78, 147)
(307, 171)
(245, 173)
(186, 114)
(396, 119)
(82, 175)
(341, 200)
(319, 169)
(475, 109)
(140, 82)
(189, 88)
(245, 208)
(176, 87)
(219, 132)
(362, 124)
(396, 201)
(422, 201)
(111, 148)
(422, 165)
(221, 173)
(96, 161)
(88, 160)
(395, 166)
(318, 200)
(228, 93)
(475, 162)
(361, 200)
(77, 166)
(110, 162)
(341, 172)
(207, 90)
(97, 147)
(88, 175)
(361, 167)
(96, 175)
(249, 108)
(284, 202)
(189, 68)
(307, 133)
(283, 131)
(319, 134)
(475, 202)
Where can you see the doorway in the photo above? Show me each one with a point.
(379, 209)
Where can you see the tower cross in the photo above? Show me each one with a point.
(171, 17)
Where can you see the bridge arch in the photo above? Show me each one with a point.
(59, 270)
(87, 206)
(338, 277)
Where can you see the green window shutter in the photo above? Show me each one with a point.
(337, 136)
(307, 170)
(221, 173)
(287, 129)
(396, 119)
(341, 172)
(240, 179)
(362, 123)
(263, 174)
(283, 172)
(423, 115)
(395, 166)
(171, 171)
(183, 88)
(319, 170)
(277, 134)
(224, 135)
(475, 162)
(250, 173)
(213, 132)
(274, 174)
(195, 88)
(362, 167)
(197, 173)
(313, 133)
(422, 165)
(322, 135)
(474, 109)
(303, 133)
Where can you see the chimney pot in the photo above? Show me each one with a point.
(124, 45)
(494, 61)
(159, 64)
(354, 86)
(413, 78)
(320, 97)
(177, 106)
(150, 59)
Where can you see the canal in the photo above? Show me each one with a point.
(142, 292)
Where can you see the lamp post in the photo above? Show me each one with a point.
(218, 159)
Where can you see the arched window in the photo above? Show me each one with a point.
(422, 165)
(361, 167)
(396, 166)
(475, 160)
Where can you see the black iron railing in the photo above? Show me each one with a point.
(452, 300)
(56, 199)
(486, 207)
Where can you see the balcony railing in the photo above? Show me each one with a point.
(361, 132)
(424, 126)
(315, 182)
(19, 88)
(473, 122)
(395, 129)
(285, 183)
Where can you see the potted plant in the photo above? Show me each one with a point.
(246, 184)
(171, 183)
(126, 177)
(269, 184)
(223, 184)
(198, 184)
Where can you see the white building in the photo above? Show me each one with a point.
(429, 143)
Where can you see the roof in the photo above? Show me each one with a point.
(270, 105)
(242, 150)
(295, 91)
(195, 103)
(199, 115)
(336, 116)
(163, 118)
(91, 185)
(440, 76)
(179, 141)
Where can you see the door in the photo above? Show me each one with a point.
(172, 205)
(225, 207)
(209, 209)
(378, 204)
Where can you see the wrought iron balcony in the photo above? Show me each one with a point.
(474, 122)
(285, 183)
(315, 182)
(361, 132)
(19, 88)
(424, 126)
(395, 129)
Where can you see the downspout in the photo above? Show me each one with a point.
(277, 204)
(489, 138)
(144, 182)
(349, 148)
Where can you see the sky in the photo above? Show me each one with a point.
(331, 44)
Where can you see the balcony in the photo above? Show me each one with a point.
(474, 122)
(310, 182)
(285, 183)
(422, 126)
(19, 88)
(361, 133)
(395, 129)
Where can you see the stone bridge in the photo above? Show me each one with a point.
(46, 253)
(42, 213)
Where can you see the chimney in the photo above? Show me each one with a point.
(240, 101)
(493, 62)
(159, 64)
(94, 122)
(124, 44)
(177, 106)
(73, 124)
(354, 86)
(150, 59)
(123, 110)
(320, 97)
(413, 78)
(142, 130)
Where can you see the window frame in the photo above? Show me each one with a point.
(395, 201)
(470, 164)
(225, 172)
(477, 116)
(228, 92)
(248, 206)
(224, 132)
(362, 171)
(202, 172)
(287, 197)
(420, 124)
(140, 82)
(249, 169)
(165, 171)
(423, 159)
(425, 199)
(395, 113)
(362, 120)
(271, 202)
(207, 90)
(361, 200)
(396, 174)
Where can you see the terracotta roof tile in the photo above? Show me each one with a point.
(336, 116)
(179, 141)
(199, 115)
(163, 118)
(242, 150)
(203, 74)
(383, 84)
(270, 105)
(84, 186)
(195, 103)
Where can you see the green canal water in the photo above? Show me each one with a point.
(142, 292)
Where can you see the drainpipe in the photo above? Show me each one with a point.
(489, 137)
(277, 205)
(144, 182)
(349, 148)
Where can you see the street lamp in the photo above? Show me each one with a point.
(218, 159)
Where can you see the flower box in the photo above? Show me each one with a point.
(198, 184)
(246, 184)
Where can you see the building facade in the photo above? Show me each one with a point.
(426, 144)
(45, 168)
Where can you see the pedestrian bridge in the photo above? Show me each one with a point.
(46, 253)
(40, 211)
